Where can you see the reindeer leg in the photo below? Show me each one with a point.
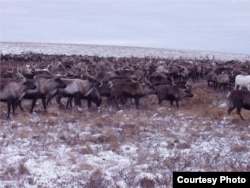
(230, 109)
(238, 112)
(8, 108)
(58, 100)
(89, 102)
(109, 99)
(159, 100)
(78, 100)
(171, 102)
(44, 103)
(33, 105)
(177, 103)
(224, 87)
(13, 104)
(49, 99)
(20, 106)
(137, 103)
(115, 100)
(69, 103)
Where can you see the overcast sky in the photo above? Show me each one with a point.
(210, 25)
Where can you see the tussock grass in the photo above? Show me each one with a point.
(146, 183)
(22, 169)
(85, 166)
(201, 97)
(85, 149)
(239, 148)
(244, 137)
(96, 180)
(205, 103)
(15, 171)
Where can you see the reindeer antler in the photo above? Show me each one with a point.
(19, 74)
(53, 66)
(92, 77)
(147, 81)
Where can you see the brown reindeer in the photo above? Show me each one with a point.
(239, 99)
(78, 89)
(172, 93)
(128, 88)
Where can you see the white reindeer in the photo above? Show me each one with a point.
(242, 81)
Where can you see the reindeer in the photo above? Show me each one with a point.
(172, 93)
(12, 92)
(239, 99)
(77, 88)
(223, 80)
(46, 88)
(242, 81)
(128, 88)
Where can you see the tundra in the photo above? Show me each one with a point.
(12, 92)
(239, 99)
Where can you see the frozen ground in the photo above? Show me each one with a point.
(113, 51)
(105, 148)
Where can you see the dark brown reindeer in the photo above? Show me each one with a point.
(94, 97)
(128, 88)
(159, 78)
(172, 93)
(239, 99)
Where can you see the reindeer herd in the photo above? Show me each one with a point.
(93, 78)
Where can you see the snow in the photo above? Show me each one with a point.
(113, 51)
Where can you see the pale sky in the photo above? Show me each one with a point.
(207, 25)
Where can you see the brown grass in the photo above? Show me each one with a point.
(239, 148)
(205, 103)
(244, 137)
(96, 180)
(201, 97)
(22, 169)
(146, 183)
(85, 149)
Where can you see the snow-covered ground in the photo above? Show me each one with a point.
(113, 51)
(129, 148)
(109, 149)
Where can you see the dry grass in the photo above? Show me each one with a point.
(146, 183)
(208, 103)
(96, 180)
(239, 148)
